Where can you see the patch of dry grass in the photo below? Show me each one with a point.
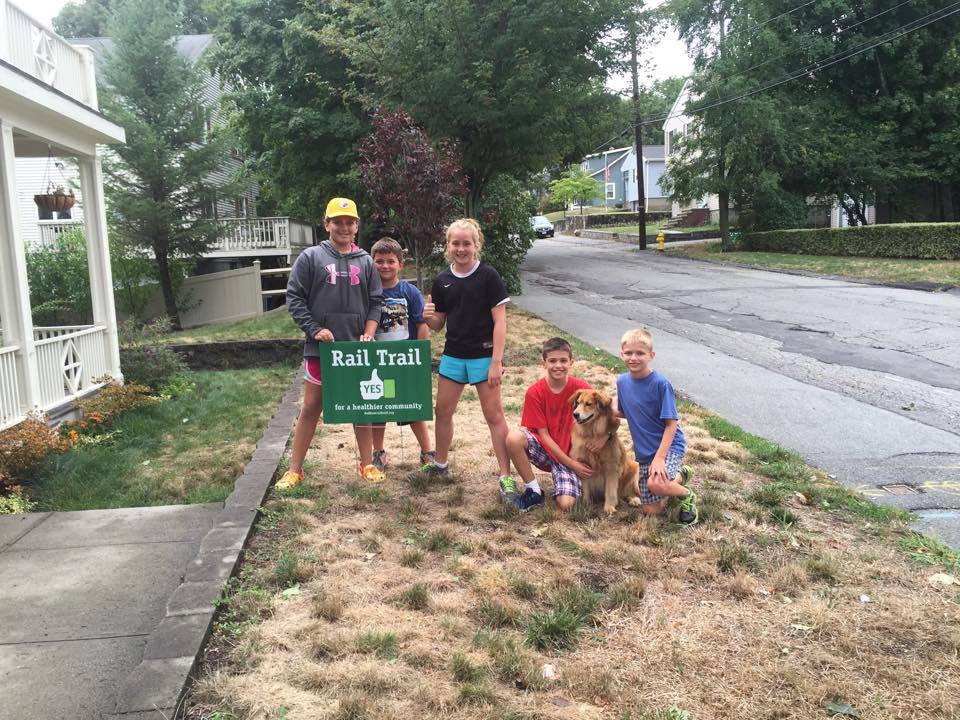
(740, 616)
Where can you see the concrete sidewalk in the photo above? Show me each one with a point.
(103, 612)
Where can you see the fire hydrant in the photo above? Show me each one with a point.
(660, 245)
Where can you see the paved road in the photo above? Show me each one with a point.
(862, 380)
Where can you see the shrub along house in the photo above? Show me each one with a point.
(48, 108)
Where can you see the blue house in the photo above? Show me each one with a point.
(607, 168)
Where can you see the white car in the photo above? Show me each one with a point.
(541, 226)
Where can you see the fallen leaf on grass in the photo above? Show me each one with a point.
(801, 626)
(561, 702)
(865, 599)
(538, 531)
(839, 706)
(290, 592)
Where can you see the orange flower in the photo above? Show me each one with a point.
(83, 424)
(74, 435)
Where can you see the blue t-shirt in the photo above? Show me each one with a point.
(646, 403)
(402, 312)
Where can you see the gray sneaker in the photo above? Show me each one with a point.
(379, 460)
(428, 457)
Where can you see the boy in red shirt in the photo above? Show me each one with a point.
(544, 439)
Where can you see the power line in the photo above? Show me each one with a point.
(837, 32)
(815, 66)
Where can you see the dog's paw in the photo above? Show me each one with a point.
(634, 502)
(610, 510)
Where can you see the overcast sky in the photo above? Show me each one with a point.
(667, 58)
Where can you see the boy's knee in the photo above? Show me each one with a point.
(516, 440)
(565, 502)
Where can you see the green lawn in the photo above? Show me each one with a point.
(189, 449)
(276, 323)
(887, 269)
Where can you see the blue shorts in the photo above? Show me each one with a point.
(473, 370)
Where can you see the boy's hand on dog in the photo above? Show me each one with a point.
(581, 469)
(596, 444)
(429, 309)
(323, 335)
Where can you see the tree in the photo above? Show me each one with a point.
(160, 184)
(91, 18)
(576, 185)
(411, 184)
(517, 83)
(297, 101)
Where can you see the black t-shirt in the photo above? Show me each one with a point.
(467, 302)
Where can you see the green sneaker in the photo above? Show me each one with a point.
(428, 457)
(689, 515)
(686, 473)
(508, 489)
(433, 469)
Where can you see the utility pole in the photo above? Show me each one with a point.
(638, 136)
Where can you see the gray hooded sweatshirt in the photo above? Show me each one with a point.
(333, 290)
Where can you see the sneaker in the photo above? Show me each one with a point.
(290, 479)
(428, 457)
(380, 460)
(371, 473)
(432, 468)
(529, 500)
(686, 473)
(689, 515)
(508, 489)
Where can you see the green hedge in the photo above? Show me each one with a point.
(928, 241)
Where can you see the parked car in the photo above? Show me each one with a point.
(541, 226)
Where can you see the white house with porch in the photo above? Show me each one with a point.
(48, 108)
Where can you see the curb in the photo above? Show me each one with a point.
(154, 689)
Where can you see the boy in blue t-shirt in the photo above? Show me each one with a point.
(401, 318)
(645, 399)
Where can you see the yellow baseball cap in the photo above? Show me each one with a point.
(341, 207)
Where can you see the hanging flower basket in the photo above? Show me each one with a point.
(56, 201)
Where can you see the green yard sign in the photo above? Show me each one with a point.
(367, 382)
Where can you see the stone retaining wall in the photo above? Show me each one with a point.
(239, 354)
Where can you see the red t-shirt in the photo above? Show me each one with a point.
(544, 408)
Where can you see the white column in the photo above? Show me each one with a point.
(98, 256)
(14, 290)
(4, 37)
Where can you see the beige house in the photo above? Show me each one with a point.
(48, 108)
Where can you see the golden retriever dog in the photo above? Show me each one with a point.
(615, 475)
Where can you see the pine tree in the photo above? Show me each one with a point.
(160, 183)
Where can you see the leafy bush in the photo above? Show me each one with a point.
(929, 241)
(144, 359)
(60, 281)
(622, 218)
(15, 502)
(25, 443)
(114, 399)
(505, 218)
(774, 210)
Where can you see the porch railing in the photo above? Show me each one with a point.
(11, 411)
(40, 52)
(250, 236)
(68, 362)
(50, 230)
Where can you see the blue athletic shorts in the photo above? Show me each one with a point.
(471, 371)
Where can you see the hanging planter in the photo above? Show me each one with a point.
(55, 200)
